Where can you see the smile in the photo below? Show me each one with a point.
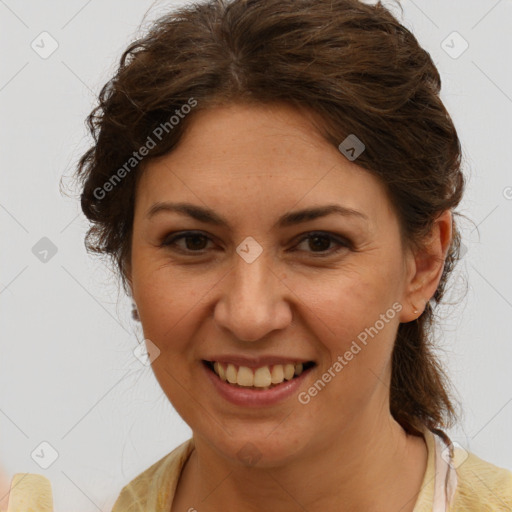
(264, 377)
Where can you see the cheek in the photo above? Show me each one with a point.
(169, 301)
(352, 315)
(171, 310)
(349, 301)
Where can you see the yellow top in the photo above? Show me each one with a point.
(30, 492)
(465, 481)
(462, 483)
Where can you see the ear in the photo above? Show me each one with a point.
(425, 268)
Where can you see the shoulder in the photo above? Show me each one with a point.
(154, 488)
(481, 486)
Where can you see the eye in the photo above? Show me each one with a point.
(319, 241)
(194, 241)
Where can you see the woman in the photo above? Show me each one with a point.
(276, 182)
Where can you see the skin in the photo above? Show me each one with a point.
(343, 450)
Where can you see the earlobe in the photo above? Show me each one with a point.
(135, 312)
(427, 268)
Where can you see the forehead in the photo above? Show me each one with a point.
(230, 154)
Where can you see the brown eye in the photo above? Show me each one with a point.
(319, 243)
(194, 241)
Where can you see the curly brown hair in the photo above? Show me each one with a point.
(351, 65)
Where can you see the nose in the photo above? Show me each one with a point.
(253, 300)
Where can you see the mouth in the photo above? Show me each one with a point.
(262, 378)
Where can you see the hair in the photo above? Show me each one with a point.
(354, 67)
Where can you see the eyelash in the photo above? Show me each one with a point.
(342, 243)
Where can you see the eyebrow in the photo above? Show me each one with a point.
(208, 216)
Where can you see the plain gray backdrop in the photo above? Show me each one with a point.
(68, 375)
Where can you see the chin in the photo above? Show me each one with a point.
(263, 450)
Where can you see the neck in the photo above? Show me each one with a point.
(369, 464)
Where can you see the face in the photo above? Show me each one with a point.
(262, 284)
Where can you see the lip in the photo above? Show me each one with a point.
(247, 397)
(255, 362)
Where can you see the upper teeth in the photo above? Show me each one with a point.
(261, 377)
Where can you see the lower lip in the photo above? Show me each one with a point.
(249, 397)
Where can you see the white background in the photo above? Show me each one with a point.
(67, 372)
